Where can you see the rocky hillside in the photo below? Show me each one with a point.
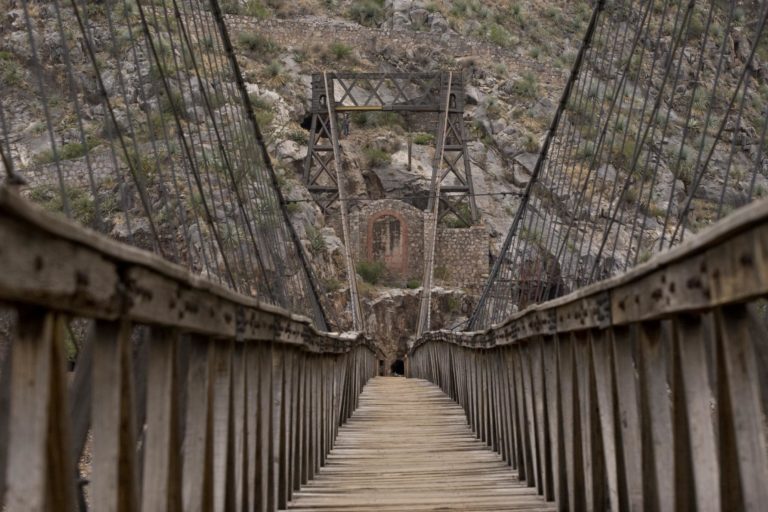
(515, 77)
(515, 56)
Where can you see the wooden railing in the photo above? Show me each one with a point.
(185, 396)
(644, 392)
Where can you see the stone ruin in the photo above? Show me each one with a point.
(392, 232)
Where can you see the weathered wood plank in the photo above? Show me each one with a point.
(656, 418)
(602, 359)
(162, 479)
(30, 412)
(399, 451)
(114, 484)
(743, 406)
(197, 478)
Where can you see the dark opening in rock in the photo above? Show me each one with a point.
(398, 367)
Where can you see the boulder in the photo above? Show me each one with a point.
(473, 95)
(419, 17)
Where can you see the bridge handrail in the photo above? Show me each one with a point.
(111, 280)
(648, 391)
(195, 397)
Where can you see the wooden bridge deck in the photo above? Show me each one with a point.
(409, 447)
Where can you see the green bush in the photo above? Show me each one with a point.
(11, 72)
(274, 69)
(696, 26)
(256, 9)
(332, 285)
(174, 104)
(316, 240)
(143, 165)
(298, 136)
(340, 51)
(526, 86)
(68, 151)
(258, 44)
(263, 111)
(81, 204)
(498, 35)
(422, 139)
(231, 7)
(76, 149)
(368, 12)
(413, 284)
(370, 271)
(375, 157)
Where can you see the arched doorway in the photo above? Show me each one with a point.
(388, 241)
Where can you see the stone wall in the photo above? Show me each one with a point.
(287, 32)
(366, 238)
(73, 172)
(461, 255)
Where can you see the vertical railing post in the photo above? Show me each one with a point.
(197, 487)
(113, 485)
(161, 489)
(36, 446)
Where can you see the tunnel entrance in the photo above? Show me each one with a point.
(398, 367)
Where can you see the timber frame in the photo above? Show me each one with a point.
(418, 93)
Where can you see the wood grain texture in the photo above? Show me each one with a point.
(408, 447)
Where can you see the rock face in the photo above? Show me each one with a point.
(511, 96)
(392, 317)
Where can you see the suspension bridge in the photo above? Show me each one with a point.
(615, 360)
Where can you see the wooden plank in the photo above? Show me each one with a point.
(743, 406)
(399, 452)
(264, 428)
(162, 480)
(80, 391)
(656, 419)
(252, 354)
(140, 347)
(299, 422)
(31, 399)
(276, 429)
(239, 426)
(306, 450)
(46, 271)
(223, 426)
(114, 484)
(5, 398)
(197, 478)
(591, 439)
(531, 427)
(556, 426)
(570, 409)
(284, 482)
(540, 398)
(626, 370)
(607, 403)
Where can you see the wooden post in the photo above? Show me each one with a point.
(162, 468)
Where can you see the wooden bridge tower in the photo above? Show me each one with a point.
(417, 93)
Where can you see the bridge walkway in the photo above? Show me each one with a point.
(409, 447)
